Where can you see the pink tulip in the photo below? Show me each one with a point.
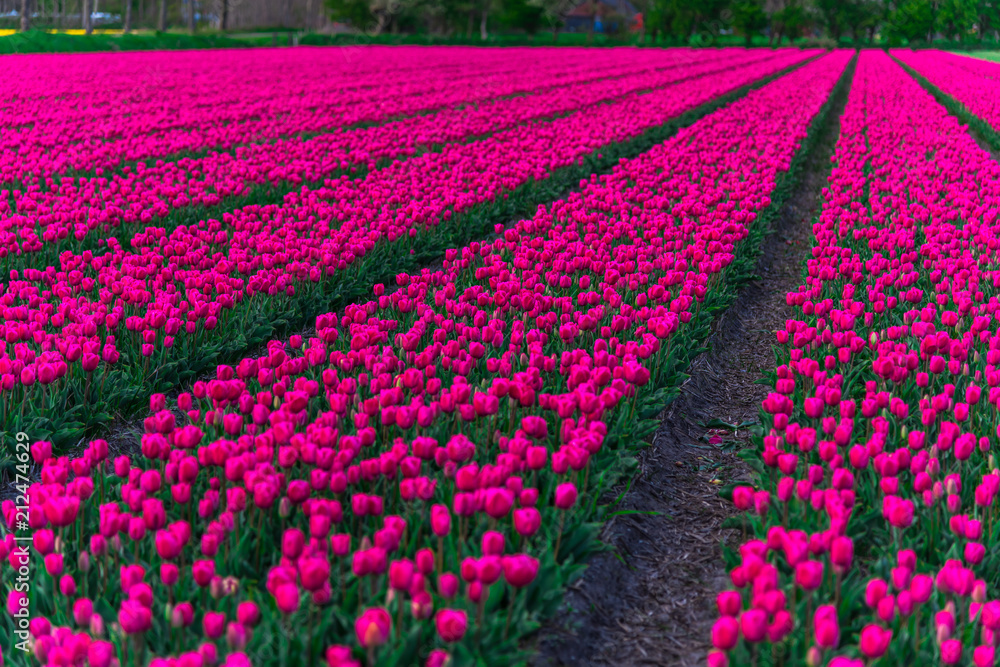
(451, 625)
(983, 656)
(565, 495)
(725, 633)
(448, 585)
(134, 617)
(520, 570)
(951, 651)
(248, 614)
(214, 624)
(287, 598)
(372, 627)
(438, 658)
(753, 625)
(826, 627)
(100, 654)
(718, 659)
(182, 615)
(874, 641)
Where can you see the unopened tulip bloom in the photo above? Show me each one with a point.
(565, 495)
(984, 656)
(287, 598)
(725, 633)
(448, 585)
(527, 521)
(438, 658)
(874, 641)
(83, 610)
(134, 617)
(451, 624)
(248, 614)
(182, 615)
(214, 624)
(951, 651)
(753, 624)
(372, 628)
(520, 569)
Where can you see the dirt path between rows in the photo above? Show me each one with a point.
(650, 600)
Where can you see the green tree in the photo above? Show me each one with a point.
(791, 20)
(683, 18)
(356, 13)
(749, 18)
(832, 12)
(860, 16)
(659, 17)
(956, 18)
(987, 18)
(690, 18)
(912, 20)
(554, 13)
(522, 15)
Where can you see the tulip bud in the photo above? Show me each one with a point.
(422, 606)
(372, 627)
(96, 626)
(493, 543)
(984, 656)
(753, 624)
(83, 612)
(237, 636)
(725, 633)
(248, 614)
(230, 586)
(874, 641)
(718, 659)
(216, 589)
(213, 624)
(439, 658)
(169, 574)
(729, 603)
(448, 585)
(566, 495)
(451, 625)
(425, 561)
(83, 562)
(979, 591)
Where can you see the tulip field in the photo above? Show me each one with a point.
(161, 269)
(333, 356)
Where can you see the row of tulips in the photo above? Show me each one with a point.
(153, 105)
(78, 213)
(415, 482)
(871, 529)
(967, 81)
(162, 307)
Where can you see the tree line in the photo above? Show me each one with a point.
(687, 21)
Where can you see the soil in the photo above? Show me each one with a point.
(650, 599)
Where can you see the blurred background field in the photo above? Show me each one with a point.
(993, 56)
